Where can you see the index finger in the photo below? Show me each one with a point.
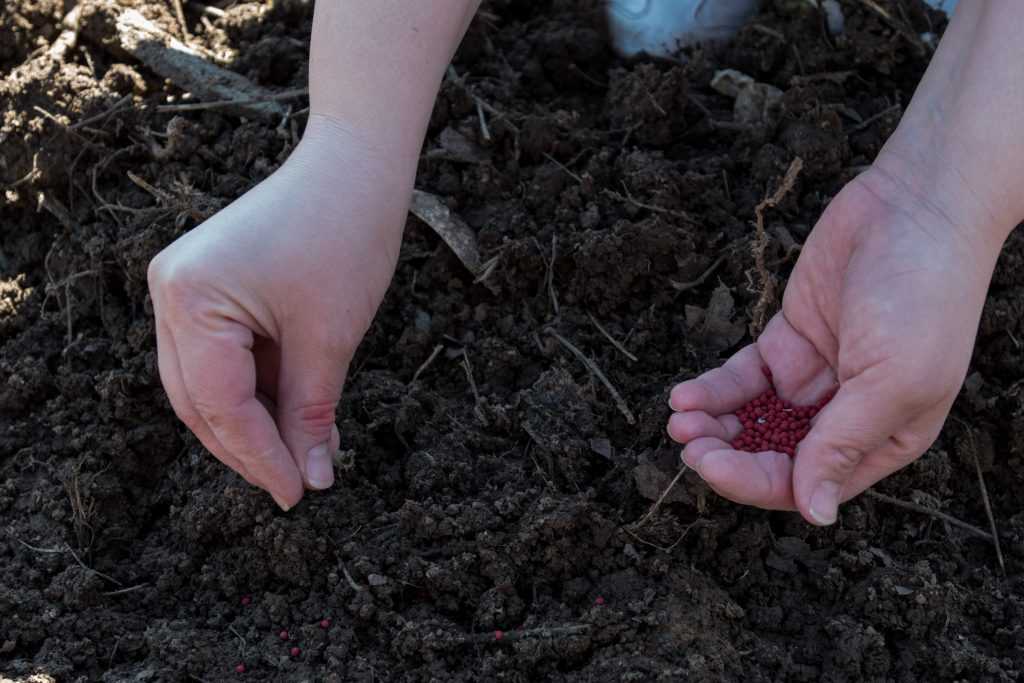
(725, 388)
(219, 372)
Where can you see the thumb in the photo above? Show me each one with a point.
(309, 387)
(858, 421)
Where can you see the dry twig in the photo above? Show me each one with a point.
(766, 284)
(430, 359)
(686, 286)
(358, 588)
(181, 20)
(871, 119)
(620, 403)
(513, 636)
(972, 446)
(661, 498)
(607, 335)
(949, 519)
(103, 115)
(629, 199)
(221, 104)
(479, 407)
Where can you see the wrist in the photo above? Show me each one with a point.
(928, 172)
(377, 66)
(337, 167)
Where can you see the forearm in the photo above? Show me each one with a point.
(961, 142)
(375, 67)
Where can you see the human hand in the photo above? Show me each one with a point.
(260, 309)
(885, 299)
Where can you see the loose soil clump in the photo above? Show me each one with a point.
(613, 206)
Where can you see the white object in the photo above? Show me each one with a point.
(660, 27)
(946, 6)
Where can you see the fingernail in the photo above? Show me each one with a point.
(825, 503)
(319, 468)
(281, 504)
(690, 460)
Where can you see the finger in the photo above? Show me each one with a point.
(698, 448)
(313, 370)
(693, 424)
(170, 376)
(858, 422)
(723, 389)
(760, 479)
(219, 373)
(799, 372)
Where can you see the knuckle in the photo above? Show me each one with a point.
(154, 272)
(176, 283)
(315, 416)
(913, 443)
(843, 460)
(216, 414)
(189, 418)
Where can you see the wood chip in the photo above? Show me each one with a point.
(453, 230)
(184, 66)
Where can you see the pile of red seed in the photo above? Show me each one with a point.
(771, 424)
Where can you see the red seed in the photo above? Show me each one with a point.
(766, 371)
(295, 652)
(283, 635)
(499, 634)
(240, 668)
(599, 601)
(325, 623)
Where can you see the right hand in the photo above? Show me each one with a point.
(885, 299)
(260, 309)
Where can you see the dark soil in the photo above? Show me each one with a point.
(126, 549)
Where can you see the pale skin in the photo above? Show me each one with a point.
(260, 309)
